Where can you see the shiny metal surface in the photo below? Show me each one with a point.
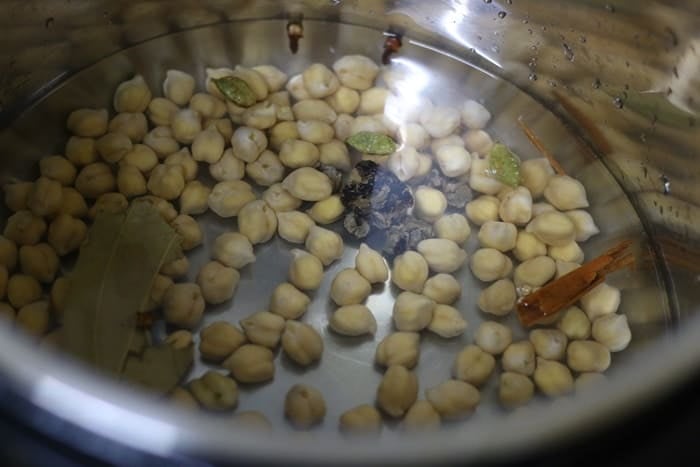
(346, 369)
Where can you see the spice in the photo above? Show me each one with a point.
(372, 143)
(236, 90)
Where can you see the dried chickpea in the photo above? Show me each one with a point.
(443, 288)
(412, 312)
(575, 324)
(252, 420)
(132, 95)
(81, 151)
(8, 253)
(161, 141)
(183, 305)
(308, 184)
(282, 132)
(498, 298)
(325, 244)
(17, 194)
(217, 282)
(535, 174)
(549, 344)
(219, 340)
(565, 193)
(430, 204)
(215, 391)
(228, 198)
(186, 124)
(453, 399)
(160, 286)
(602, 300)
(208, 106)
(88, 123)
(534, 272)
(44, 199)
(613, 331)
(184, 160)
(305, 270)
(363, 419)
(552, 228)
(257, 221)
(514, 389)
(493, 337)
(327, 211)
(482, 209)
(109, 203)
(301, 343)
(161, 110)
(189, 230)
(583, 224)
(130, 181)
(132, 124)
(349, 287)
(587, 356)
(228, 168)
(528, 246)
(453, 227)
(473, 365)
(421, 417)
(267, 169)
(397, 391)
(251, 363)
(142, 157)
(280, 199)
(294, 226)
(22, 290)
(442, 255)
(66, 234)
(304, 406)
(519, 357)
(263, 328)
(34, 318)
(24, 228)
(58, 168)
(481, 181)
(398, 348)
(370, 264)
(410, 271)
(208, 146)
(39, 261)
(183, 399)
(489, 264)
(288, 301)
(553, 378)
(166, 181)
(353, 320)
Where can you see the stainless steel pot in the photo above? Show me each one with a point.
(617, 78)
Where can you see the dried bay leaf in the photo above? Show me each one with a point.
(160, 368)
(112, 280)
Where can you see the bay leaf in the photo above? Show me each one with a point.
(112, 279)
(160, 368)
(504, 165)
(372, 143)
(236, 90)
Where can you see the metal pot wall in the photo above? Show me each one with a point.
(619, 79)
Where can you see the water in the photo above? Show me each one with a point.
(346, 374)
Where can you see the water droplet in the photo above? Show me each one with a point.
(495, 48)
(487, 1)
(568, 52)
(525, 21)
(335, 2)
(509, 2)
(501, 14)
(532, 77)
(49, 22)
(610, 8)
(666, 184)
(618, 102)
(596, 84)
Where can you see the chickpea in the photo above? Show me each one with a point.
(156, 295)
(327, 211)
(344, 101)
(404, 163)
(314, 109)
(528, 246)
(305, 270)
(588, 380)
(516, 206)
(344, 126)
(183, 159)
(356, 71)
(132, 95)
(112, 147)
(534, 272)
(575, 324)
(294, 226)
(421, 417)
(430, 204)
(454, 161)
(247, 143)
(251, 363)
(483, 209)
(453, 399)
(475, 115)
(45, 197)
(602, 300)
(398, 348)
(301, 343)
(215, 73)
(66, 234)
(280, 200)
(478, 141)
(453, 227)
(288, 301)
(8, 253)
(415, 136)
(320, 81)
(325, 244)
(563, 268)
(273, 76)
(183, 305)
(223, 125)
(261, 116)
(263, 328)
(4, 276)
(219, 340)
(161, 141)
(227, 168)
(304, 406)
(267, 169)
(363, 419)
(587, 356)
(480, 179)
(493, 337)
(565, 193)
(189, 230)
(515, 390)
(349, 287)
(308, 184)
(39, 261)
(553, 378)
(215, 391)
(208, 146)
(161, 110)
(499, 298)
(443, 289)
(612, 330)
(186, 124)
(22, 290)
(412, 312)
(34, 318)
(584, 225)
(549, 344)
(499, 235)
(229, 197)
(257, 221)
(397, 391)
(180, 339)
(410, 271)
(519, 357)
(81, 151)
(442, 255)
(17, 195)
(130, 181)
(217, 282)
(166, 181)
(489, 264)
(252, 420)
(88, 123)
(109, 203)
(570, 253)
(535, 175)
(255, 80)
(24, 228)
(142, 157)
(183, 399)
(473, 365)
(370, 264)
(133, 125)
(72, 203)
(164, 208)
(208, 106)
(58, 168)
(194, 198)
(440, 121)
(353, 320)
